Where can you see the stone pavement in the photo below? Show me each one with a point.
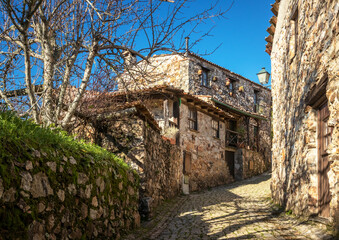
(241, 210)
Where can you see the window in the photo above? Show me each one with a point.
(204, 78)
(215, 128)
(256, 101)
(193, 119)
(232, 87)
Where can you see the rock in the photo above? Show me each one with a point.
(61, 195)
(51, 221)
(39, 236)
(95, 201)
(101, 184)
(72, 160)
(24, 194)
(9, 195)
(26, 181)
(29, 165)
(61, 169)
(82, 178)
(88, 191)
(64, 158)
(1, 189)
(120, 186)
(52, 166)
(40, 186)
(23, 206)
(84, 210)
(136, 216)
(76, 234)
(93, 213)
(72, 189)
(130, 190)
(41, 207)
(36, 154)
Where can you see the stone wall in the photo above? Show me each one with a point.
(305, 51)
(52, 194)
(249, 163)
(209, 168)
(157, 161)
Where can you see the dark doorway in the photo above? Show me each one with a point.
(229, 157)
(324, 139)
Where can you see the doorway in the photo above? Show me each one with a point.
(229, 157)
(324, 139)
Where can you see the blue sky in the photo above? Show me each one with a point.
(242, 35)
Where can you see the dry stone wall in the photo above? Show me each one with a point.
(249, 163)
(50, 194)
(157, 161)
(305, 51)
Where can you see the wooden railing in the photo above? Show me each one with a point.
(234, 139)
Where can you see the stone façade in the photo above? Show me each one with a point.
(304, 58)
(226, 91)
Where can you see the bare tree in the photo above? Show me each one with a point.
(57, 44)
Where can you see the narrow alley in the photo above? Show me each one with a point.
(241, 210)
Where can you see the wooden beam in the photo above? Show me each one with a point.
(271, 30)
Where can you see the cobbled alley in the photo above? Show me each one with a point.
(242, 210)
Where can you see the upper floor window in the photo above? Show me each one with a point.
(256, 101)
(215, 128)
(193, 119)
(232, 87)
(204, 78)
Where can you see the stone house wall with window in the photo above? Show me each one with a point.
(208, 165)
(305, 91)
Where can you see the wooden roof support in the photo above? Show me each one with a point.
(275, 8)
(273, 21)
(271, 30)
(269, 39)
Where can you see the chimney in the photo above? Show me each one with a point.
(187, 41)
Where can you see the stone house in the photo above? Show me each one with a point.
(191, 87)
(303, 44)
(196, 125)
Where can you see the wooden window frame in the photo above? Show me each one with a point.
(193, 119)
(204, 78)
(216, 128)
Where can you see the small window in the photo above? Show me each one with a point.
(215, 128)
(204, 78)
(232, 87)
(256, 101)
(193, 119)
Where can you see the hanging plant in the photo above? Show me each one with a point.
(241, 89)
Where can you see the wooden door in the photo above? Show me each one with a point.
(324, 139)
(229, 157)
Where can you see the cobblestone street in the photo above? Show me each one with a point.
(241, 210)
